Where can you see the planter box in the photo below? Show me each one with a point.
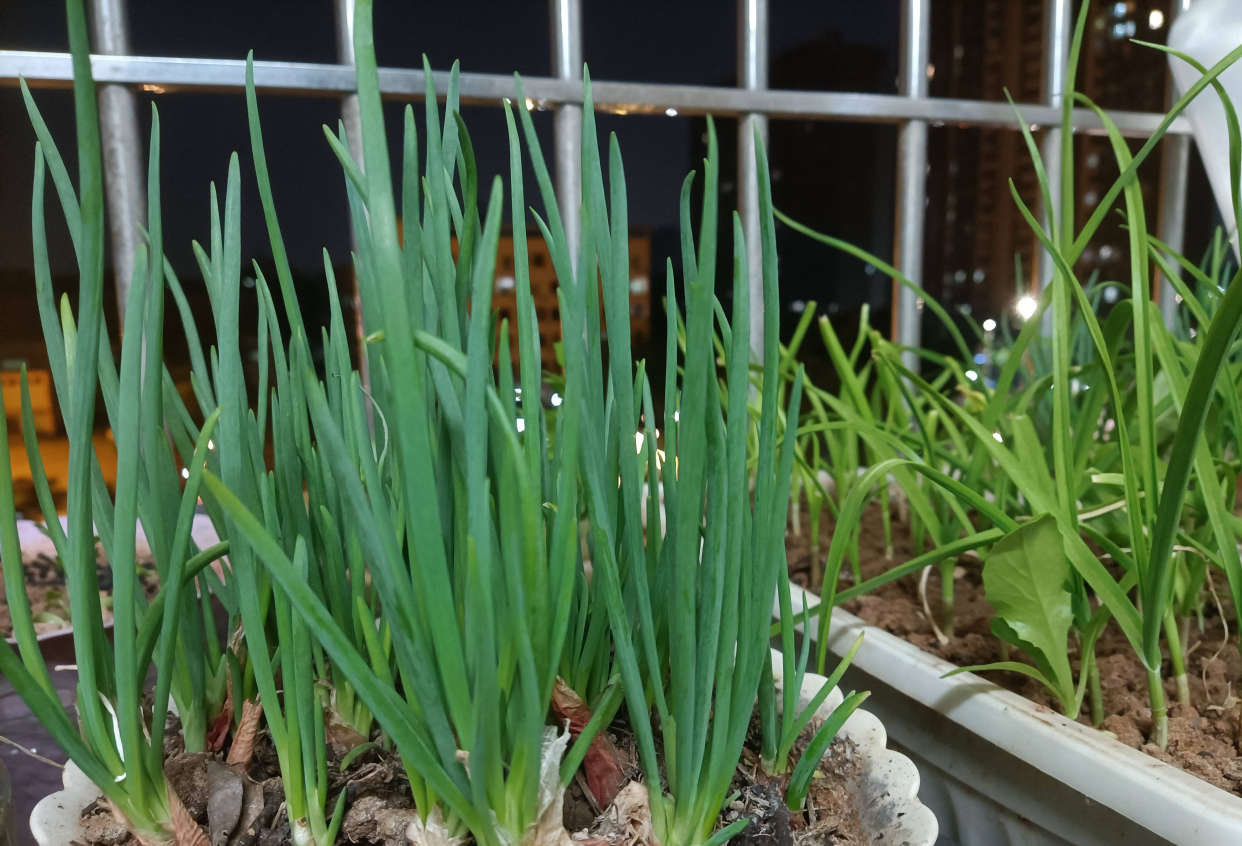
(999, 770)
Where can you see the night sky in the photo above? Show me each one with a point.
(642, 40)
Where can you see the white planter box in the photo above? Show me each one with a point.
(998, 770)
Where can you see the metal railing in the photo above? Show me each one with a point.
(912, 110)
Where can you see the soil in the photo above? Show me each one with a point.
(830, 817)
(243, 805)
(1204, 735)
(49, 598)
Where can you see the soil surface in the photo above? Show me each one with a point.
(1203, 734)
(242, 804)
(49, 598)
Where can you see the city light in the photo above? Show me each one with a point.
(989, 325)
(1026, 306)
(1155, 20)
(671, 112)
(556, 400)
(972, 375)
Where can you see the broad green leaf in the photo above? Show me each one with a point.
(1026, 579)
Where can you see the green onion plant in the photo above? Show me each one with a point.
(113, 743)
(1044, 579)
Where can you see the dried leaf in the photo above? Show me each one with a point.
(253, 808)
(629, 819)
(242, 749)
(337, 731)
(549, 826)
(225, 792)
(220, 726)
(601, 764)
(432, 833)
(186, 831)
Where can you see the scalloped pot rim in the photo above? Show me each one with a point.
(887, 792)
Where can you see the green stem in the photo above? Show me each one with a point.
(887, 519)
(1175, 657)
(1159, 713)
(817, 566)
(1095, 692)
(946, 596)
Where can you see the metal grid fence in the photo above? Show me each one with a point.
(752, 102)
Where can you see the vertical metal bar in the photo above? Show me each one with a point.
(351, 117)
(124, 180)
(752, 74)
(350, 114)
(1056, 63)
(911, 179)
(1175, 168)
(566, 21)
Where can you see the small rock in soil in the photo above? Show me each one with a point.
(363, 819)
(101, 827)
(1125, 730)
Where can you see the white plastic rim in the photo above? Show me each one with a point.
(888, 792)
(1208, 31)
(57, 819)
(1164, 803)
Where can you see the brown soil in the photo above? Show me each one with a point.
(1203, 735)
(830, 817)
(242, 805)
(49, 599)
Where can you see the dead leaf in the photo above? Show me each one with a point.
(220, 726)
(242, 749)
(432, 833)
(339, 732)
(225, 792)
(252, 809)
(601, 764)
(628, 821)
(186, 831)
(548, 828)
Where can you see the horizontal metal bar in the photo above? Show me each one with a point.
(228, 75)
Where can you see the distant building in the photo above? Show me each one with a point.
(980, 49)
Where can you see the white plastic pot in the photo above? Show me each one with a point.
(1208, 31)
(999, 770)
(57, 819)
(888, 792)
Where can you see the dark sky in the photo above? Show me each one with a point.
(692, 41)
